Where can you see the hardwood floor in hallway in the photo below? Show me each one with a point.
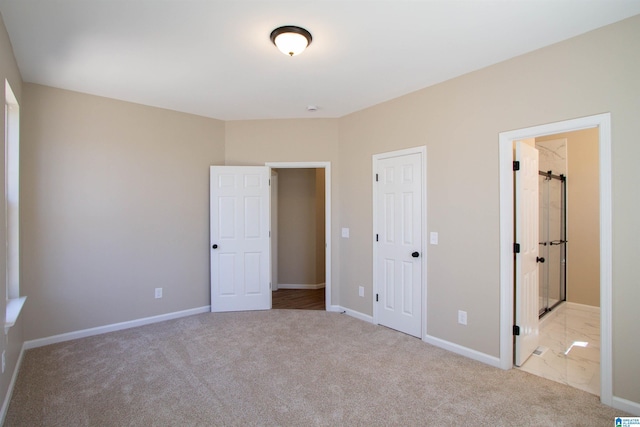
(301, 299)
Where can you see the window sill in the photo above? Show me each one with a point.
(14, 307)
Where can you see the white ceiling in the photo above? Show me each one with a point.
(214, 58)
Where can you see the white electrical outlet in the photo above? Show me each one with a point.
(158, 292)
(361, 291)
(462, 317)
(345, 233)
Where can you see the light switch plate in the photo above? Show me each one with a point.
(433, 237)
(345, 233)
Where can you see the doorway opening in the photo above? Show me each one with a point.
(569, 287)
(602, 123)
(301, 238)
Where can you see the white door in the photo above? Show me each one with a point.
(240, 243)
(526, 263)
(398, 262)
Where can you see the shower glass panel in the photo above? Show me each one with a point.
(552, 272)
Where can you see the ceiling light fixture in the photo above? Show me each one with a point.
(291, 40)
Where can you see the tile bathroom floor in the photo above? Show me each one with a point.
(570, 345)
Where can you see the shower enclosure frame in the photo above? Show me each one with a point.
(546, 244)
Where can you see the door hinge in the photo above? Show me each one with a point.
(376, 297)
(516, 330)
(269, 183)
(376, 237)
(516, 165)
(376, 177)
(516, 248)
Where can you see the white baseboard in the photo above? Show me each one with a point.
(584, 307)
(463, 351)
(626, 405)
(12, 383)
(352, 313)
(40, 342)
(455, 348)
(296, 286)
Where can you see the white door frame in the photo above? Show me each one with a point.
(327, 210)
(422, 150)
(506, 139)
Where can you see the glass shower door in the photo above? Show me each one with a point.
(552, 271)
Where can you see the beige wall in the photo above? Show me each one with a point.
(255, 142)
(114, 204)
(583, 216)
(459, 122)
(11, 343)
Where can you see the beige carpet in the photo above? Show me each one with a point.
(281, 367)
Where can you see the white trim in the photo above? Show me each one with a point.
(626, 405)
(603, 123)
(12, 193)
(297, 286)
(12, 383)
(582, 307)
(13, 309)
(327, 213)
(352, 313)
(437, 342)
(422, 150)
(40, 342)
(463, 351)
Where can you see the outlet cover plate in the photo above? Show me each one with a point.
(462, 317)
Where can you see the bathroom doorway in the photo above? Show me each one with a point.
(569, 247)
(601, 122)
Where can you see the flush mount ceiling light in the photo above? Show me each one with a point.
(291, 40)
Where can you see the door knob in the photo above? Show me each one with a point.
(539, 259)
(215, 246)
(415, 254)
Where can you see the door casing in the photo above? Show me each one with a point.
(506, 139)
(422, 150)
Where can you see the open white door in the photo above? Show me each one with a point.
(240, 241)
(526, 328)
(398, 251)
